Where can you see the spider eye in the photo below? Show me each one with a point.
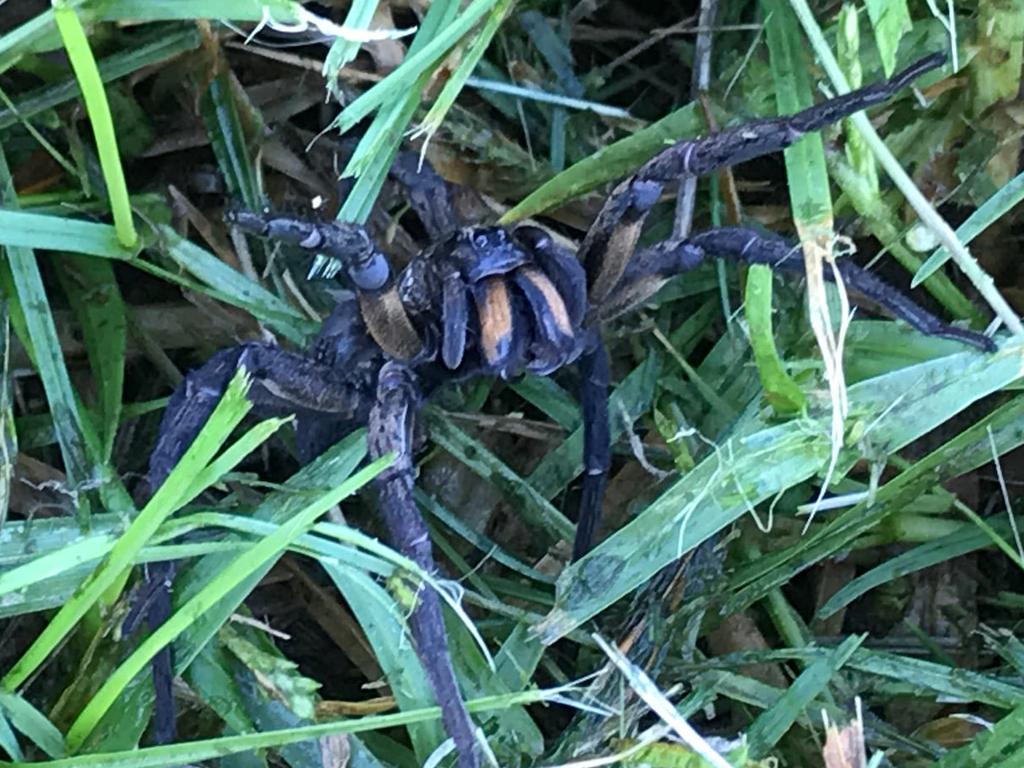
(480, 240)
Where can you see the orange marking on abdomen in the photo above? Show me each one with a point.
(495, 319)
(552, 297)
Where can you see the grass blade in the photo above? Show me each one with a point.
(987, 214)
(95, 98)
(773, 724)
(1002, 745)
(236, 572)
(95, 298)
(22, 281)
(211, 749)
(757, 462)
(229, 412)
(33, 723)
(781, 392)
(929, 216)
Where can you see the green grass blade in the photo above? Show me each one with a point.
(8, 430)
(232, 286)
(265, 551)
(608, 163)
(883, 223)
(381, 619)
(38, 33)
(33, 723)
(95, 98)
(457, 80)
(46, 566)
(359, 16)
(849, 51)
(631, 399)
(781, 392)
(535, 508)
(229, 412)
(890, 21)
(435, 46)
(805, 160)
(210, 676)
(939, 679)
(114, 67)
(554, 402)
(773, 724)
(986, 214)
(283, 11)
(996, 71)
(1001, 745)
(434, 508)
(95, 298)
(757, 462)
(232, 456)
(221, 115)
(949, 547)
(21, 229)
(210, 749)
(25, 285)
(9, 741)
(1011, 550)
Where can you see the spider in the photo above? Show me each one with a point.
(490, 301)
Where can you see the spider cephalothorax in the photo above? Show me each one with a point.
(489, 301)
(510, 302)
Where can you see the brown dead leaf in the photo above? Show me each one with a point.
(952, 731)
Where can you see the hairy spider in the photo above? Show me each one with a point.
(490, 301)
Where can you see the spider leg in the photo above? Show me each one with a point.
(282, 383)
(391, 424)
(369, 269)
(152, 603)
(454, 314)
(593, 367)
(610, 241)
(653, 266)
(428, 194)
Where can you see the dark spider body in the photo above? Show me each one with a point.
(489, 301)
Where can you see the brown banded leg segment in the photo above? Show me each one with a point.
(561, 266)
(646, 273)
(382, 308)
(389, 324)
(612, 238)
(391, 424)
(553, 339)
